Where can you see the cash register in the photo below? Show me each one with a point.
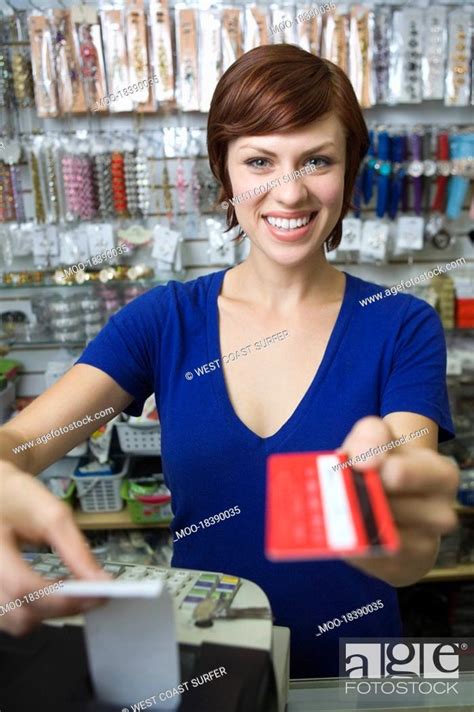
(213, 611)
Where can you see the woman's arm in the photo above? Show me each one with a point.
(421, 486)
(28, 511)
(80, 395)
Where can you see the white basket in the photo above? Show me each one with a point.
(101, 493)
(139, 439)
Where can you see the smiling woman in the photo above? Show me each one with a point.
(347, 378)
(305, 93)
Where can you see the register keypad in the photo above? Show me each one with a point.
(193, 586)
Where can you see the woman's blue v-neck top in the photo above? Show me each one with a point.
(383, 357)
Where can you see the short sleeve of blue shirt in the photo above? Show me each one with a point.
(416, 379)
(127, 348)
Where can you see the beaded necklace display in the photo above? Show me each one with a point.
(38, 195)
(119, 192)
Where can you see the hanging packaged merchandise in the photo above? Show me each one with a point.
(137, 45)
(334, 41)
(221, 248)
(381, 54)
(404, 57)
(383, 167)
(130, 171)
(210, 68)
(256, 27)
(161, 50)
(143, 182)
(232, 39)
(49, 152)
(22, 78)
(374, 241)
(282, 28)
(415, 169)
(409, 234)
(187, 89)
(351, 235)
(103, 181)
(119, 191)
(360, 54)
(397, 185)
(7, 206)
(459, 58)
(87, 36)
(167, 248)
(37, 181)
(434, 57)
(462, 162)
(68, 77)
(42, 62)
(11, 194)
(116, 61)
(309, 28)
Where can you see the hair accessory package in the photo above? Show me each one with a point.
(161, 49)
(256, 27)
(118, 80)
(232, 41)
(459, 58)
(70, 88)
(44, 73)
(209, 55)
(89, 49)
(187, 57)
(136, 33)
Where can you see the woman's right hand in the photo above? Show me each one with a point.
(29, 513)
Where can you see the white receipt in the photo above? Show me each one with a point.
(131, 641)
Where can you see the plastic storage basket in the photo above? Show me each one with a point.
(101, 493)
(139, 439)
(147, 509)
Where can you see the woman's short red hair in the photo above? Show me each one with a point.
(276, 88)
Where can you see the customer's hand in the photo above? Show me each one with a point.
(421, 487)
(31, 514)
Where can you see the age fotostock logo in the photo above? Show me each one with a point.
(401, 666)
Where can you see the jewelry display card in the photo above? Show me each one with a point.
(73, 246)
(187, 57)
(70, 89)
(360, 54)
(88, 41)
(283, 27)
(116, 60)
(161, 49)
(221, 247)
(44, 74)
(232, 35)
(136, 33)
(351, 235)
(209, 55)
(164, 247)
(373, 246)
(100, 238)
(459, 58)
(409, 233)
(309, 31)
(256, 27)
(432, 63)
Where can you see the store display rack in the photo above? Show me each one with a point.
(121, 520)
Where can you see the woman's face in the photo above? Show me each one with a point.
(289, 216)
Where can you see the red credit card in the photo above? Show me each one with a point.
(318, 508)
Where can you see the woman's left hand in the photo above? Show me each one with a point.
(421, 486)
